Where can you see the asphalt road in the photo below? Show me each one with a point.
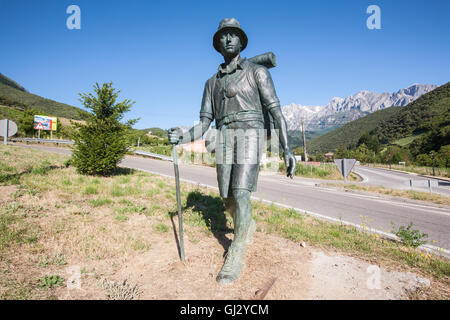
(400, 180)
(303, 194)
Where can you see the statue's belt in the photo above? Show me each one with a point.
(247, 115)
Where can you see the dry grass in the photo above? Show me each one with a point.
(121, 291)
(51, 217)
(409, 194)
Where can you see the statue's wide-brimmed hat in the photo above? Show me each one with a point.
(230, 24)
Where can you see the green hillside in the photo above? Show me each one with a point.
(296, 138)
(430, 112)
(155, 131)
(349, 134)
(7, 81)
(422, 126)
(15, 96)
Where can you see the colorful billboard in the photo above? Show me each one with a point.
(45, 123)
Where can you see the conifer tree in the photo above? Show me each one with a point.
(101, 142)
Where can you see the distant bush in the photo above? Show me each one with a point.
(101, 143)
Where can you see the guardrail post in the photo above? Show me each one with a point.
(429, 184)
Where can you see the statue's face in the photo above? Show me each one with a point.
(230, 43)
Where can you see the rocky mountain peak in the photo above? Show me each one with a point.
(340, 111)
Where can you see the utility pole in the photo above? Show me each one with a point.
(304, 141)
(432, 161)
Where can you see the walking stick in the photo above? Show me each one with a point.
(177, 183)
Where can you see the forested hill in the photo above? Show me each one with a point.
(430, 112)
(349, 134)
(15, 96)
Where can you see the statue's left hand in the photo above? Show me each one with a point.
(289, 161)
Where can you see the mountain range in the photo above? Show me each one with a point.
(340, 111)
(423, 126)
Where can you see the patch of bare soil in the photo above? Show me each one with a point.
(340, 277)
(276, 269)
(6, 192)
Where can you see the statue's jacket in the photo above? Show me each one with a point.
(237, 97)
(238, 93)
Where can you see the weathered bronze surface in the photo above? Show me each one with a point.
(239, 97)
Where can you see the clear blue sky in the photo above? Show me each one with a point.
(159, 53)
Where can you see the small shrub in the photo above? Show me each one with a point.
(410, 237)
(101, 143)
(57, 259)
(47, 282)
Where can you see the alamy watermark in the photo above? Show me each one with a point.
(74, 279)
(374, 20)
(374, 280)
(234, 146)
(74, 20)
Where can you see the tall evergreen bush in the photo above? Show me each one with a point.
(101, 142)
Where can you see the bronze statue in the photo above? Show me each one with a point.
(237, 97)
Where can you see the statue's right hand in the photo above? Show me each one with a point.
(174, 135)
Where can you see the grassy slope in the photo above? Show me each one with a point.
(10, 113)
(431, 109)
(56, 215)
(407, 140)
(392, 123)
(351, 132)
(14, 93)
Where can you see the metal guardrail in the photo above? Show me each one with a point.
(153, 155)
(43, 140)
(141, 153)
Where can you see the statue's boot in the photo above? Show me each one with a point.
(234, 263)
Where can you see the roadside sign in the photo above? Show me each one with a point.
(9, 125)
(39, 126)
(8, 128)
(345, 166)
(45, 123)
